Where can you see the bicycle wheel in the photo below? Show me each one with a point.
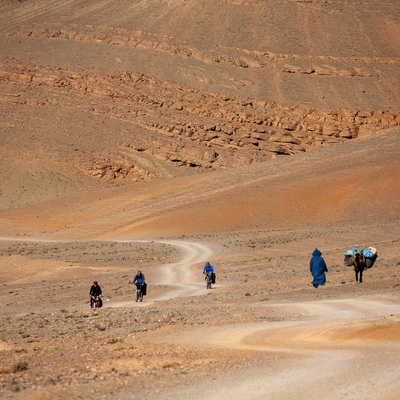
(208, 283)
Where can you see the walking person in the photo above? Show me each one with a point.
(318, 268)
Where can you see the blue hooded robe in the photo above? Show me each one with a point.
(318, 268)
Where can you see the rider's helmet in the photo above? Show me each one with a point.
(95, 282)
(139, 272)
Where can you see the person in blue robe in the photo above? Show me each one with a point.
(318, 269)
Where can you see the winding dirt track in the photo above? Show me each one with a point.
(331, 349)
(329, 341)
(328, 344)
(178, 276)
(325, 342)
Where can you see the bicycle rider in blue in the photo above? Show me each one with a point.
(208, 268)
(139, 278)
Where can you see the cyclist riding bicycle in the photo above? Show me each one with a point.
(95, 291)
(139, 280)
(208, 268)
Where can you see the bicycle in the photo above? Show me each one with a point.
(96, 302)
(139, 292)
(208, 280)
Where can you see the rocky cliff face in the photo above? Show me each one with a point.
(129, 91)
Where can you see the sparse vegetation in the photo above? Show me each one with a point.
(253, 131)
(114, 340)
(20, 366)
(121, 253)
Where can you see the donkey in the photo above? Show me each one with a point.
(359, 265)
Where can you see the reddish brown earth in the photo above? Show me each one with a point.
(158, 135)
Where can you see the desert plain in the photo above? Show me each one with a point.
(157, 135)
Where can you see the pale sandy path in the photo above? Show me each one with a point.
(180, 277)
(311, 353)
(308, 360)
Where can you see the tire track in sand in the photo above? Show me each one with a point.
(178, 276)
(326, 353)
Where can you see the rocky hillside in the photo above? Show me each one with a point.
(94, 93)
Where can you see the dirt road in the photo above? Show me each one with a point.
(328, 353)
(343, 347)
(179, 276)
(329, 340)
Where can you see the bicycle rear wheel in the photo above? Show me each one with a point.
(208, 283)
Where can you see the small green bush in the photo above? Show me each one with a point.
(114, 340)
(21, 366)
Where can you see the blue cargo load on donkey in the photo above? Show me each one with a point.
(370, 255)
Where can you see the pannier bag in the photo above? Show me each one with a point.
(370, 255)
(144, 289)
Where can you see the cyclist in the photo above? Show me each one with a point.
(95, 291)
(208, 268)
(139, 278)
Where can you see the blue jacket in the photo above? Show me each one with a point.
(208, 268)
(318, 268)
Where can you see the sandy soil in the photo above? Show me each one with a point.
(159, 135)
(262, 330)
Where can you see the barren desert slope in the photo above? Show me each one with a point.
(156, 135)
